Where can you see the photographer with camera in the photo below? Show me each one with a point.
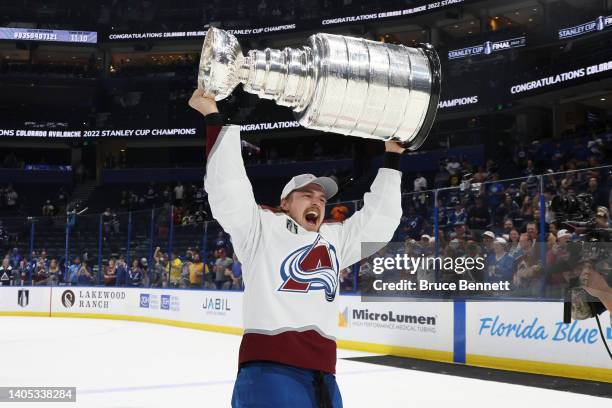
(595, 285)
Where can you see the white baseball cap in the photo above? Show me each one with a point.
(500, 240)
(563, 233)
(328, 184)
(488, 234)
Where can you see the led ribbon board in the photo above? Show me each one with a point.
(34, 34)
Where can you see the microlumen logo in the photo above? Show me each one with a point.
(364, 315)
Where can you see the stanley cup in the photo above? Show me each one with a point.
(335, 83)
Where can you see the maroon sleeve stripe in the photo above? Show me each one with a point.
(212, 133)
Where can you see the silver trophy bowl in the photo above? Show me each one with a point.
(335, 83)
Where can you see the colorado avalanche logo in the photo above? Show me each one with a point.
(313, 267)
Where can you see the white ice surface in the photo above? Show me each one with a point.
(130, 364)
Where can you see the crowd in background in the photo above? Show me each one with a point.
(217, 269)
(497, 220)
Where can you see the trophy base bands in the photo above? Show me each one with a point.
(37, 394)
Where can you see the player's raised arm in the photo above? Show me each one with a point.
(230, 194)
(380, 215)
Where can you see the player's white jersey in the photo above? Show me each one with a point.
(291, 274)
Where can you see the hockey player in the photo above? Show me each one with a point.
(291, 261)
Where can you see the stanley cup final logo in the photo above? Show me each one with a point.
(23, 297)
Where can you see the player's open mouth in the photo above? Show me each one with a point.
(311, 217)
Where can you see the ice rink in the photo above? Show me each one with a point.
(124, 364)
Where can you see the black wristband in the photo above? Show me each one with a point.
(215, 119)
(392, 160)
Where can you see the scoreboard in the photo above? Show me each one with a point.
(34, 34)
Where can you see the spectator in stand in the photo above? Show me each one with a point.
(144, 266)
(196, 271)
(600, 197)
(532, 232)
(411, 225)
(441, 178)
(507, 209)
(235, 274)
(4, 236)
(558, 250)
(107, 220)
(346, 280)
(442, 212)
(174, 269)
(500, 267)
(188, 219)
(53, 273)
(188, 196)
(557, 157)
(166, 195)
(48, 209)
(71, 274)
(514, 247)
(40, 273)
(478, 218)
(495, 191)
(199, 197)
(221, 241)
(136, 274)
(165, 276)
(525, 246)
(339, 212)
(201, 215)
(527, 266)
(43, 258)
(15, 257)
(151, 196)
(453, 167)
(461, 234)
(595, 145)
(110, 274)
(487, 243)
(177, 216)
(420, 183)
(508, 226)
(457, 217)
(184, 277)
(480, 176)
(84, 276)
(121, 271)
(6, 273)
(521, 193)
(531, 173)
(222, 263)
(33, 260)
(21, 273)
(179, 192)
(526, 212)
(158, 271)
